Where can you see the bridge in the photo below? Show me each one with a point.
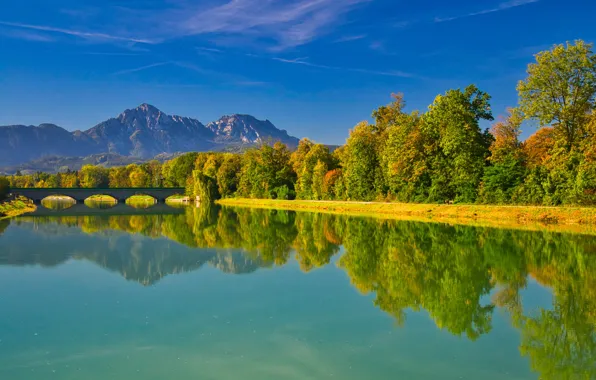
(80, 209)
(160, 194)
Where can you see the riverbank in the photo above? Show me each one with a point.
(15, 207)
(568, 219)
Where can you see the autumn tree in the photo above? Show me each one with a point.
(138, 176)
(318, 178)
(506, 171)
(403, 157)
(93, 177)
(119, 176)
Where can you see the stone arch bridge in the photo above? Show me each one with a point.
(79, 194)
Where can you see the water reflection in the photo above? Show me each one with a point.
(460, 276)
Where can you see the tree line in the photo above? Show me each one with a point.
(440, 155)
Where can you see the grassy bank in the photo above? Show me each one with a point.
(570, 219)
(14, 208)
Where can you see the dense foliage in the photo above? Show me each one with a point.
(4, 186)
(441, 155)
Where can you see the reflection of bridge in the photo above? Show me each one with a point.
(79, 195)
(79, 209)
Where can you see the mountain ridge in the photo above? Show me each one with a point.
(142, 132)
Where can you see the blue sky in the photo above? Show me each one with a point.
(313, 67)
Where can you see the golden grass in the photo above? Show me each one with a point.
(564, 219)
(16, 207)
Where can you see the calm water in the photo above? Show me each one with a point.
(246, 294)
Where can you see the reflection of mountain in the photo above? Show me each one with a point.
(458, 275)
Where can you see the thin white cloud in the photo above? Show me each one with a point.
(301, 61)
(500, 7)
(350, 38)
(272, 24)
(117, 54)
(211, 50)
(284, 24)
(76, 33)
(251, 83)
(137, 69)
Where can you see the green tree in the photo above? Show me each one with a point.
(360, 162)
(228, 175)
(177, 171)
(205, 187)
(561, 89)
(267, 172)
(458, 148)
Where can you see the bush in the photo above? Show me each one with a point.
(283, 192)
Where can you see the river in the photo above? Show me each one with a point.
(224, 293)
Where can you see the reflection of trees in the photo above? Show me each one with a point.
(4, 223)
(413, 265)
(448, 271)
(561, 342)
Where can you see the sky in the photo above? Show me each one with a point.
(313, 67)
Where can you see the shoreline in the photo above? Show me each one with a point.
(556, 219)
(15, 208)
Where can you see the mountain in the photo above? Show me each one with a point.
(248, 130)
(142, 132)
(146, 131)
(20, 143)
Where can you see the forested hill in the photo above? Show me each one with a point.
(143, 132)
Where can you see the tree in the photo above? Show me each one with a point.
(561, 89)
(139, 177)
(403, 158)
(119, 176)
(506, 171)
(93, 177)
(177, 171)
(457, 147)
(205, 187)
(360, 162)
(318, 178)
(228, 175)
(331, 185)
(153, 167)
(69, 179)
(537, 148)
(267, 173)
(304, 166)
